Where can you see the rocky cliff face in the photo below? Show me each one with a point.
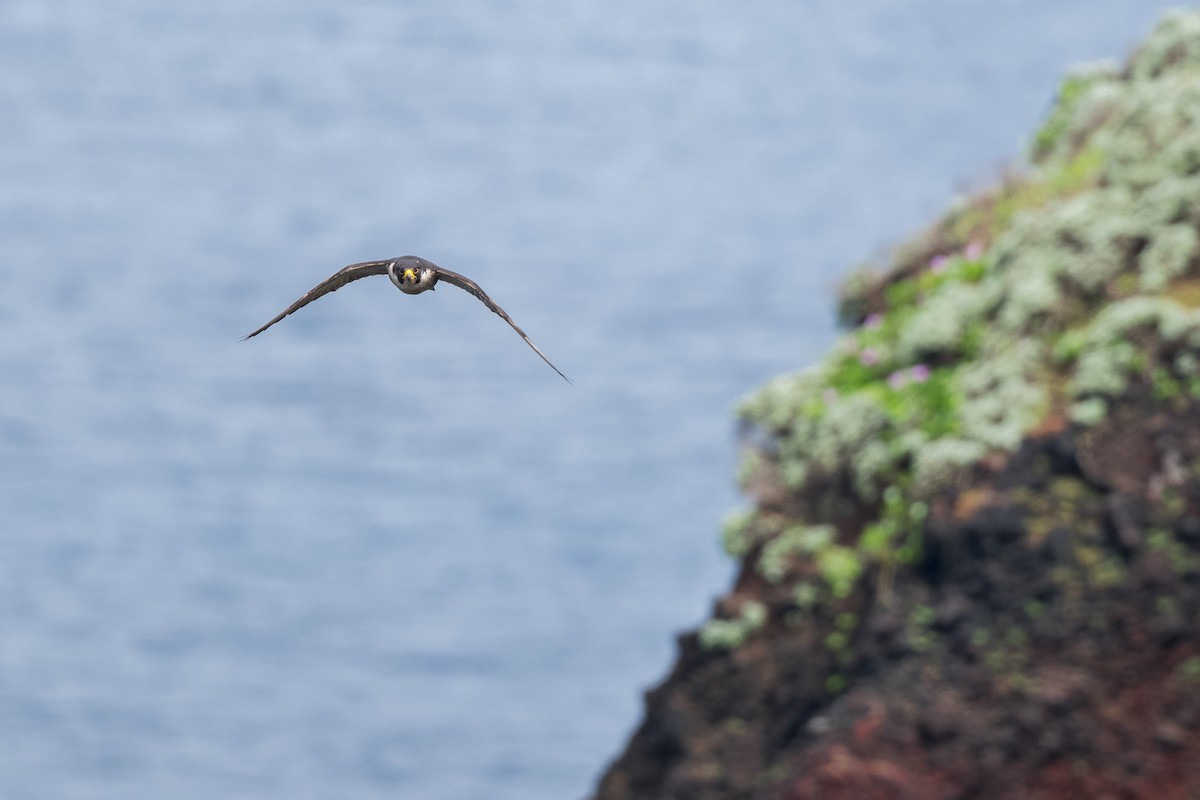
(971, 567)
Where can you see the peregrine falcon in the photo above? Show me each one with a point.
(412, 275)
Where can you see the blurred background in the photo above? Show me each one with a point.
(383, 550)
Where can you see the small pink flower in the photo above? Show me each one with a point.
(873, 321)
(974, 251)
(919, 374)
(869, 357)
(937, 264)
(897, 379)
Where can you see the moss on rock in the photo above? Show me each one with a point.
(972, 566)
(1059, 304)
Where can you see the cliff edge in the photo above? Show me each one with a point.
(971, 563)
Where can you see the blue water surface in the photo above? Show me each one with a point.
(382, 550)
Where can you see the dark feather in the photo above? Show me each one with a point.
(471, 286)
(331, 284)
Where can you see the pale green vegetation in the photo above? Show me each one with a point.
(1049, 296)
(726, 634)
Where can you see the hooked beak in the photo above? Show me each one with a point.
(410, 275)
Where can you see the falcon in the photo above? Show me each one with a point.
(412, 275)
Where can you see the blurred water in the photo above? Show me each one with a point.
(382, 550)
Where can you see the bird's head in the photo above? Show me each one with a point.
(411, 275)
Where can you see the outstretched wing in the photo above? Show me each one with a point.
(330, 284)
(473, 287)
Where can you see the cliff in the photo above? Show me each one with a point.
(970, 567)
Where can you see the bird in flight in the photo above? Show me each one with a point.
(412, 275)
